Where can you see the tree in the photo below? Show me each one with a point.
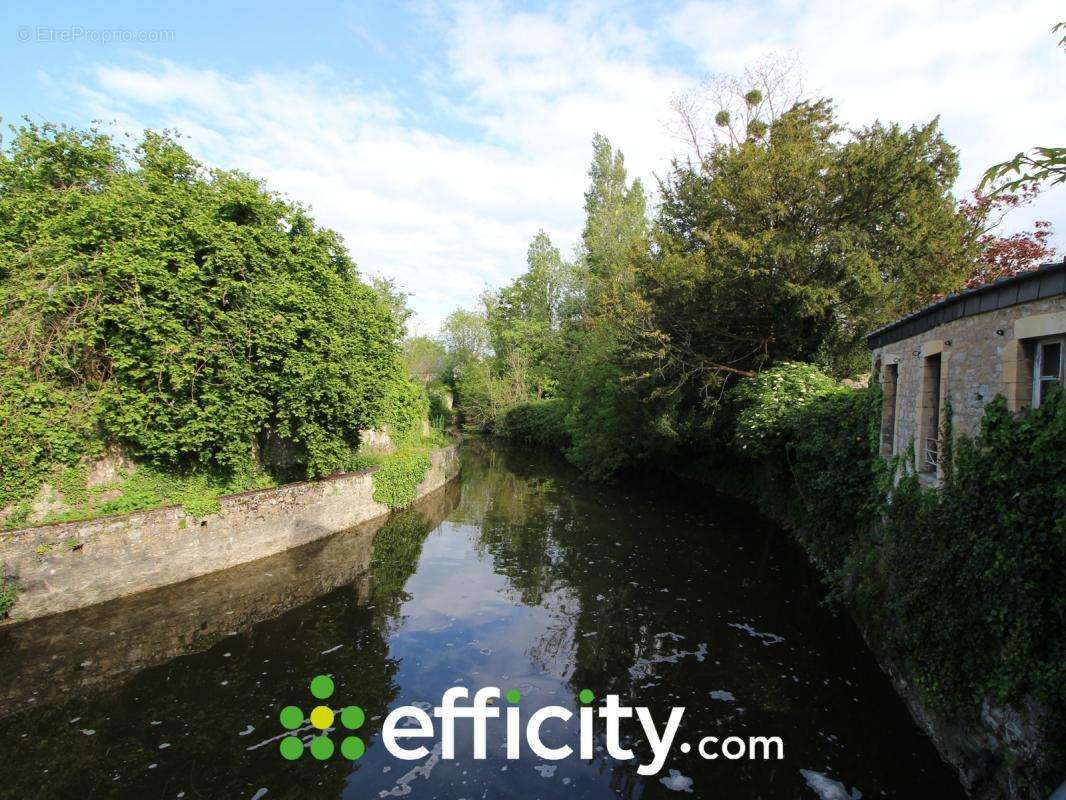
(605, 418)
(1004, 256)
(466, 336)
(395, 299)
(426, 358)
(793, 246)
(615, 218)
(524, 316)
(730, 109)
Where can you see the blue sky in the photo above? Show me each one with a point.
(437, 136)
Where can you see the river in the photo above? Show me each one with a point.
(518, 576)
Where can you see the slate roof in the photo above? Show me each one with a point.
(1048, 280)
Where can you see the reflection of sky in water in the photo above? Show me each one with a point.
(535, 581)
(461, 626)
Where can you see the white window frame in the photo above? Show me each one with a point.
(1038, 363)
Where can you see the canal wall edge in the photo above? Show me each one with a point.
(75, 564)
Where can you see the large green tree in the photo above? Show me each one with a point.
(466, 338)
(605, 419)
(523, 317)
(792, 246)
(615, 221)
(426, 358)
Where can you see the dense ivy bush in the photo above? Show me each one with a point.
(971, 578)
(406, 405)
(964, 586)
(838, 480)
(397, 476)
(540, 422)
(179, 312)
(43, 424)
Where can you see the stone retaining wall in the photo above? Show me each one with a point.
(75, 564)
(45, 661)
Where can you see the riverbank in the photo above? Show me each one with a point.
(71, 565)
(957, 591)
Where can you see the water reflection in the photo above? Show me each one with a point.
(535, 581)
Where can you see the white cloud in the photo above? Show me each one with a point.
(447, 214)
(991, 72)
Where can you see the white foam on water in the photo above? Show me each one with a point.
(827, 788)
(676, 782)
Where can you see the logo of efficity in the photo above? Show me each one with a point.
(322, 718)
(406, 724)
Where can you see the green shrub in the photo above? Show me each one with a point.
(441, 414)
(769, 401)
(483, 395)
(398, 475)
(179, 312)
(540, 422)
(607, 424)
(835, 473)
(9, 593)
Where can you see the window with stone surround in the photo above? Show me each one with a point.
(889, 385)
(1047, 368)
(929, 415)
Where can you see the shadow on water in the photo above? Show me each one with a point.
(519, 576)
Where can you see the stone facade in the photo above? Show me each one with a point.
(75, 564)
(966, 362)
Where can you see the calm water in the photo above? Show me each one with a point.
(518, 576)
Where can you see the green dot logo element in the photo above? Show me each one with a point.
(586, 696)
(322, 686)
(513, 696)
(352, 748)
(352, 717)
(321, 747)
(291, 748)
(325, 719)
(291, 717)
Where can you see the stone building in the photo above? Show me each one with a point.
(1004, 338)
